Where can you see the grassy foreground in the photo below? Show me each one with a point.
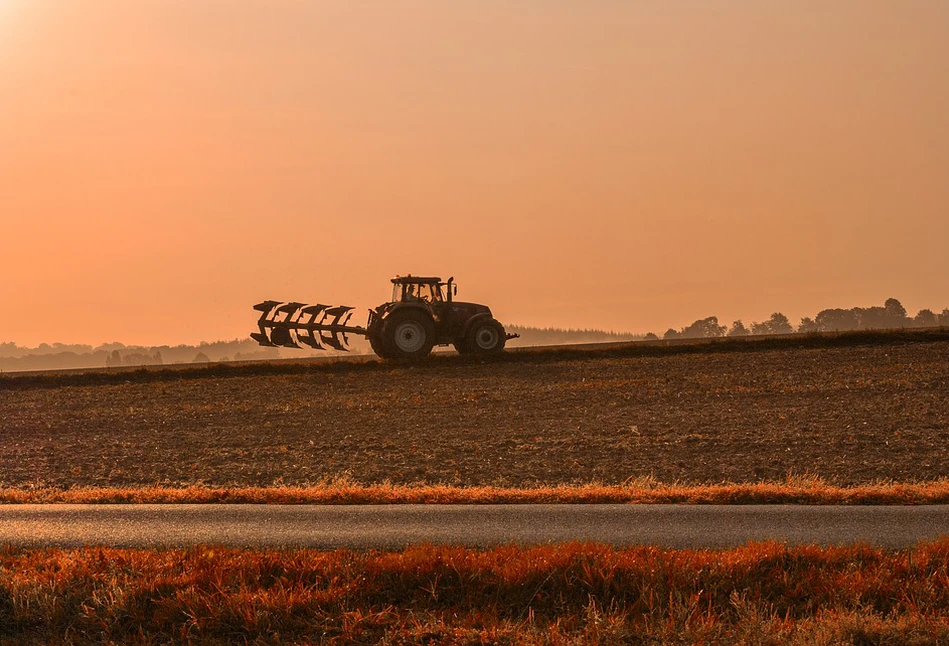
(564, 594)
(793, 490)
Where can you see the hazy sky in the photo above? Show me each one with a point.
(620, 164)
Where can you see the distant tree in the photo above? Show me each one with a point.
(836, 320)
(780, 324)
(671, 334)
(650, 337)
(872, 318)
(944, 318)
(895, 309)
(807, 326)
(777, 324)
(704, 328)
(738, 329)
(201, 358)
(114, 360)
(891, 315)
(141, 359)
(926, 318)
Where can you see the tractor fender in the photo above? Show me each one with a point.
(481, 316)
(399, 307)
(378, 316)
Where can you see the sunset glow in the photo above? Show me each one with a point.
(165, 164)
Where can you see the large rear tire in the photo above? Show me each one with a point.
(485, 337)
(408, 334)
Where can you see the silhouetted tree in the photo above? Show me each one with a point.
(891, 315)
(926, 318)
(201, 358)
(704, 328)
(895, 309)
(777, 324)
(650, 337)
(944, 318)
(738, 329)
(671, 334)
(807, 326)
(114, 360)
(141, 359)
(872, 318)
(836, 320)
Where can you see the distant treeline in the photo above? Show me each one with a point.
(557, 336)
(59, 356)
(891, 315)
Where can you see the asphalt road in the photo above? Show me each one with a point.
(394, 526)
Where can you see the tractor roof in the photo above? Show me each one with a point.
(414, 280)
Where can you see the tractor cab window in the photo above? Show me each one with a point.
(416, 292)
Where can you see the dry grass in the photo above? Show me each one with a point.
(808, 490)
(563, 594)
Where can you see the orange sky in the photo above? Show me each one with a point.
(165, 164)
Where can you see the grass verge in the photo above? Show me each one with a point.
(794, 490)
(559, 594)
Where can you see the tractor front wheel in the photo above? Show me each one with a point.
(486, 337)
(409, 334)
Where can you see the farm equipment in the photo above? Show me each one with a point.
(420, 316)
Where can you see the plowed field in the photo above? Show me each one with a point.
(847, 414)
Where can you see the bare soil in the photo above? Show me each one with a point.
(850, 415)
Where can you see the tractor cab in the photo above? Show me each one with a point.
(419, 289)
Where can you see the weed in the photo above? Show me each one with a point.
(808, 490)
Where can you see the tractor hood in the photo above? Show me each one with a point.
(470, 308)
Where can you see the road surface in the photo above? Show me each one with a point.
(395, 526)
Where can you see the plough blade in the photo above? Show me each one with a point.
(316, 326)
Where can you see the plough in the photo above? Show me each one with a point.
(315, 326)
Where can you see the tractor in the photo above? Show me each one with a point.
(421, 315)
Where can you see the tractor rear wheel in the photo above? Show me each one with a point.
(408, 334)
(485, 337)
